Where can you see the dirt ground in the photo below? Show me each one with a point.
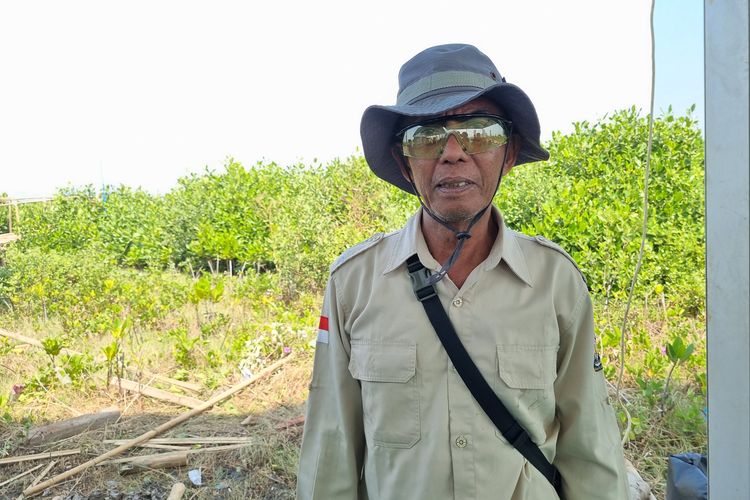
(265, 469)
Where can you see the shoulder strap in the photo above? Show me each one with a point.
(470, 374)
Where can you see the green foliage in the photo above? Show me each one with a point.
(322, 211)
(77, 367)
(86, 291)
(206, 289)
(589, 199)
(295, 221)
(273, 341)
(183, 347)
(223, 217)
(132, 229)
(68, 223)
(678, 351)
(266, 235)
(110, 352)
(53, 346)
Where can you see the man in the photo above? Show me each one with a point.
(389, 415)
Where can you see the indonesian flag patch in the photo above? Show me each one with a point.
(322, 330)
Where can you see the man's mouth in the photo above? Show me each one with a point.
(453, 185)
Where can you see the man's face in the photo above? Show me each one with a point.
(457, 185)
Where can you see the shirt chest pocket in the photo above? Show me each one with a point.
(390, 398)
(525, 383)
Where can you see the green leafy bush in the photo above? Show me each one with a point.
(78, 255)
(589, 199)
(86, 291)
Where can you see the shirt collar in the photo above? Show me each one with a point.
(410, 240)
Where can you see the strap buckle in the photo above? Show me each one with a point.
(420, 276)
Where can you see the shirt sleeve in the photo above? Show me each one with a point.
(589, 454)
(333, 442)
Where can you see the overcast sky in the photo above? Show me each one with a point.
(144, 92)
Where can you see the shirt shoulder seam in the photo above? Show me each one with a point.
(541, 240)
(357, 249)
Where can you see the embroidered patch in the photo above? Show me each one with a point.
(322, 331)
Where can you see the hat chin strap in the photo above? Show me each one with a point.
(461, 236)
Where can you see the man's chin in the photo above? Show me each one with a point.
(456, 216)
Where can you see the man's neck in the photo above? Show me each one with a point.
(441, 242)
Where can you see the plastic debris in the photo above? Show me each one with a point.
(195, 477)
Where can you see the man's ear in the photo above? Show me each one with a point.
(514, 147)
(401, 162)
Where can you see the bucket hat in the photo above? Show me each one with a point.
(434, 81)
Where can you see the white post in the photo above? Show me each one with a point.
(727, 239)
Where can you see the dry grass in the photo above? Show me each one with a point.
(264, 470)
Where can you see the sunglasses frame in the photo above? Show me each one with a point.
(506, 124)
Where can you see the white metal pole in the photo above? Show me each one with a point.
(727, 240)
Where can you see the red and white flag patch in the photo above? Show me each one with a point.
(322, 330)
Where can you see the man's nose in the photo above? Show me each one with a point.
(453, 150)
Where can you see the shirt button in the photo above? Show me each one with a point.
(461, 442)
(458, 302)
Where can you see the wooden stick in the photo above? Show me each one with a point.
(44, 472)
(163, 447)
(8, 237)
(155, 432)
(227, 447)
(40, 476)
(178, 489)
(153, 392)
(160, 461)
(179, 383)
(72, 426)
(250, 419)
(295, 422)
(189, 441)
(38, 456)
(127, 460)
(19, 476)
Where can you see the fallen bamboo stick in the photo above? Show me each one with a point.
(189, 441)
(40, 476)
(162, 446)
(19, 476)
(126, 460)
(178, 489)
(72, 426)
(179, 383)
(153, 392)
(38, 456)
(44, 472)
(160, 461)
(155, 432)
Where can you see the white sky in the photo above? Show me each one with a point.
(143, 92)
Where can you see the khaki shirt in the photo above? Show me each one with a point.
(389, 418)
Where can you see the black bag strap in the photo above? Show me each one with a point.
(480, 389)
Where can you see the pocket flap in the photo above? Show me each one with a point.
(527, 366)
(383, 362)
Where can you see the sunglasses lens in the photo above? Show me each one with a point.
(424, 141)
(476, 134)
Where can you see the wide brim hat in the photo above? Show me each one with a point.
(435, 81)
